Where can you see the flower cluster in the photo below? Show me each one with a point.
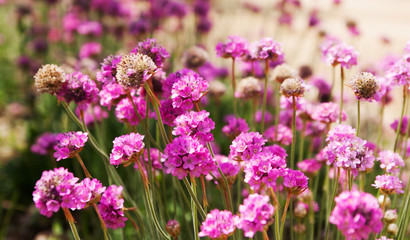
(154, 157)
(195, 124)
(57, 188)
(217, 225)
(228, 167)
(92, 114)
(188, 90)
(235, 126)
(187, 155)
(110, 94)
(49, 79)
(44, 144)
(248, 88)
(127, 148)
(69, 144)
(342, 54)
(124, 111)
(390, 162)
(79, 88)
(268, 49)
(109, 68)
(279, 133)
(388, 184)
(263, 169)
(152, 49)
(327, 113)
(294, 181)
(233, 48)
(309, 166)
(246, 145)
(91, 190)
(365, 86)
(356, 215)
(111, 207)
(254, 214)
(399, 73)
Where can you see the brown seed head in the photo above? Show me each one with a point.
(364, 85)
(194, 57)
(292, 87)
(134, 70)
(49, 79)
(248, 88)
(281, 72)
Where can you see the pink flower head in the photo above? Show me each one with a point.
(69, 144)
(187, 155)
(175, 77)
(168, 112)
(56, 188)
(110, 94)
(92, 114)
(236, 126)
(294, 181)
(127, 148)
(235, 47)
(79, 88)
(155, 156)
(390, 162)
(125, 112)
(406, 52)
(309, 166)
(263, 169)
(111, 207)
(341, 54)
(246, 145)
(268, 49)
(327, 113)
(268, 117)
(44, 144)
(341, 133)
(109, 69)
(399, 73)
(152, 49)
(90, 27)
(195, 124)
(403, 127)
(388, 184)
(356, 215)
(187, 90)
(217, 225)
(91, 190)
(228, 167)
(280, 133)
(254, 214)
(90, 49)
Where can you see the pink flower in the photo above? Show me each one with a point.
(111, 207)
(342, 54)
(125, 112)
(294, 181)
(188, 90)
(195, 124)
(155, 159)
(228, 167)
(110, 94)
(168, 112)
(217, 225)
(309, 166)
(236, 126)
(92, 114)
(44, 144)
(268, 49)
(254, 214)
(152, 49)
(235, 47)
(390, 162)
(282, 133)
(388, 184)
(69, 144)
(90, 27)
(399, 73)
(92, 190)
(126, 148)
(90, 49)
(356, 215)
(246, 145)
(327, 113)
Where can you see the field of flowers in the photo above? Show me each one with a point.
(204, 119)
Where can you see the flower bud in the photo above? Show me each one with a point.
(248, 88)
(300, 210)
(134, 70)
(390, 216)
(299, 228)
(173, 228)
(392, 229)
(282, 72)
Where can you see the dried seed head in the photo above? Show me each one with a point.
(217, 88)
(248, 88)
(293, 87)
(194, 57)
(281, 72)
(300, 210)
(134, 70)
(392, 229)
(49, 79)
(390, 216)
(299, 228)
(364, 85)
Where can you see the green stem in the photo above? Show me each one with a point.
(332, 202)
(265, 91)
(358, 118)
(193, 210)
(379, 135)
(70, 221)
(151, 209)
(302, 142)
(342, 75)
(284, 215)
(277, 112)
(194, 198)
(292, 147)
(401, 118)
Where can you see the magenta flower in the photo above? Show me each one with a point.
(246, 145)
(155, 156)
(294, 181)
(111, 207)
(217, 225)
(228, 167)
(403, 127)
(390, 162)
(235, 47)
(127, 148)
(90, 49)
(327, 113)
(168, 112)
(356, 215)
(110, 94)
(69, 144)
(175, 77)
(268, 49)
(152, 49)
(92, 114)
(56, 188)
(196, 124)
(91, 190)
(406, 52)
(44, 144)
(341, 133)
(341, 54)
(125, 112)
(282, 135)
(254, 214)
(109, 69)
(388, 184)
(188, 90)
(236, 126)
(263, 169)
(399, 73)
(309, 166)
(79, 88)
(187, 155)
(90, 27)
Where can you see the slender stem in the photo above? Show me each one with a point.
(284, 214)
(193, 209)
(342, 75)
(103, 226)
(265, 93)
(292, 147)
(194, 198)
(350, 177)
(379, 135)
(401, 118)
(277, 112)
(265, 235)
(204, 199)
(151, 209)
(358, 118)
(87, 174)
(70, 220)
(332, 202)
(277, 229)
(302, 142)
(235, 107)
